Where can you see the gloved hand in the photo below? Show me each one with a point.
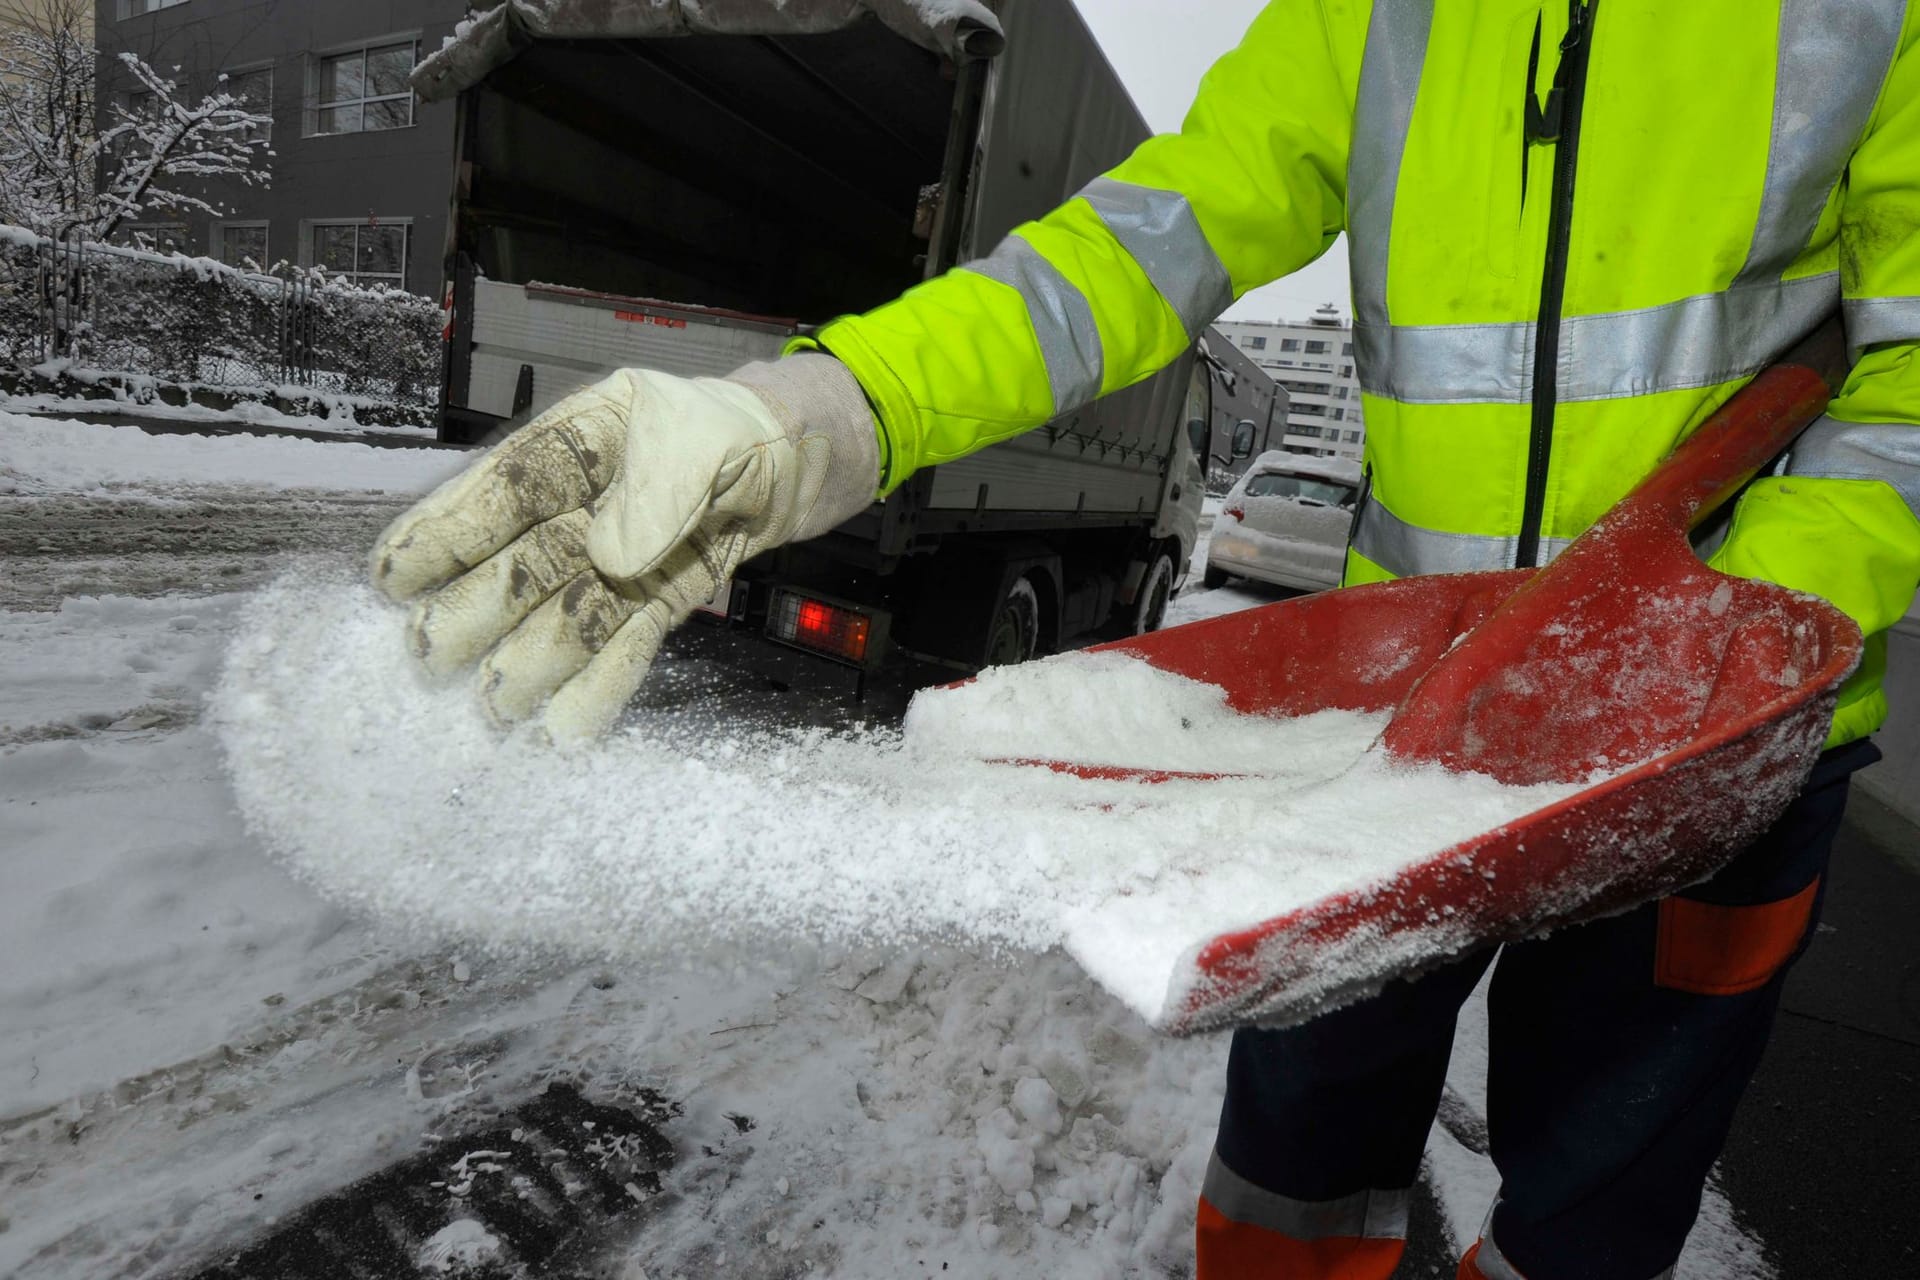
(559, 561)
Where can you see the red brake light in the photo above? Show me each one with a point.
(815, 624)
(1238, 513)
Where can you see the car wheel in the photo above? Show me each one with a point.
(1213, 579)
(1150, 606)
(1016, 628)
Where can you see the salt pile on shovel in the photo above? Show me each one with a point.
(1687, 706)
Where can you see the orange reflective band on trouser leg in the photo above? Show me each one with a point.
(1714, 950)
(1496, 1268)
(1229, 1250)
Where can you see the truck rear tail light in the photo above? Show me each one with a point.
(825, 628)
(1238, 513)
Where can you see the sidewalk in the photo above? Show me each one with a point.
(1824, 1160)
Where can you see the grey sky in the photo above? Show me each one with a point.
(1161, 50)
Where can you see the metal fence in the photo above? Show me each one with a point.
(199, 324)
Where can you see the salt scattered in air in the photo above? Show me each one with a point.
(391, 794)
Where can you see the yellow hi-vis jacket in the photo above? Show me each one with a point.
(1576, 229)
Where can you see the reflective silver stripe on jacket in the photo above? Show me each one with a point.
(1396, 51)
(1062, 320)
(1404, 549)
(1162, 233)
(1695, 342)
(1832, 60)
(1836, 450)
(1370, 1215)
(1872, 321)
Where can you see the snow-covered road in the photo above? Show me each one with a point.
(195, 1047)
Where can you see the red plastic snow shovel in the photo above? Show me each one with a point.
(1697, 701)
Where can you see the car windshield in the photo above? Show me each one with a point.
(1278, 484)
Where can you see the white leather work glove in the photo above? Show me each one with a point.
(560, 560)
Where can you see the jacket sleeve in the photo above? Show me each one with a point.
(1842, 519)
(1117, 282)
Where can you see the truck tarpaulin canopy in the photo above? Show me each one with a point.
(959, 29)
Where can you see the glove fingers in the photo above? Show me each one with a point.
(589, 704)
(452, 628)
(555, 464)
(554, 642)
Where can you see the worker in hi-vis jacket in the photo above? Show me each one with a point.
(1577, 227)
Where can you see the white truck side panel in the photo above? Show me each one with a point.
(571, 343)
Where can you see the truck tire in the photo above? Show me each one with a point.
(1156, 589)
(1213, 579)
(1016, 626)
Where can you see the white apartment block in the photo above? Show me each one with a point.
(1313, 360)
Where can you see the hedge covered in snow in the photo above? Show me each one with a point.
(100, 315)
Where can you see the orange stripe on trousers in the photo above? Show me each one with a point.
(1714, 950)
(1228, 1250)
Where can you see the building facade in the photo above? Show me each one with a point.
(38, 15)
(361, 171)
(1313, 361)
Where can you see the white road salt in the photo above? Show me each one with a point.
(391, 794)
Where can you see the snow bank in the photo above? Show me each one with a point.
(685, 833)
(39, 456)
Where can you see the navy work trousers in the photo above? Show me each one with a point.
(1618, 1050)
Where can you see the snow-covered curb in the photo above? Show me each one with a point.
(51, 455)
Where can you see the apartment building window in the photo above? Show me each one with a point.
(1256, 344)
(365, 252)
(134, 8)
(1316, 347)
(1339, 415)
(1289, 344)
(1353, 437)
(1346, 348)
(244, 245)
(1309, 410)
(361, 90)
(159, 237)
(254, 89)
(1310, 433)
(1339, 393)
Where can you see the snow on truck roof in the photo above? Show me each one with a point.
(1301, 464)
(956, 28)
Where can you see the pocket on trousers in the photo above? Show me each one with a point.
(1711, 949)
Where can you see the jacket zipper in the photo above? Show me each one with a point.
(1557, 122)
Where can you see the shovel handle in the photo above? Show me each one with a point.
(1743, 435)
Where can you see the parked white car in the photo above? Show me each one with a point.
(1286, 522)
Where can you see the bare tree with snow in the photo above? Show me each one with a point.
(68, 168)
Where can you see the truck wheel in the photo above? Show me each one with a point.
(1156, 589)
(1016, 629)
(1213, 579)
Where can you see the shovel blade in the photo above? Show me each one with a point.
(1723, 748)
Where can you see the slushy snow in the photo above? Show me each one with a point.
(686, 833)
